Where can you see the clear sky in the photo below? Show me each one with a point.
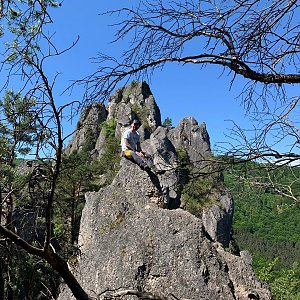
(179, 91)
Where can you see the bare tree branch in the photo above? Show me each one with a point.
(247, 37)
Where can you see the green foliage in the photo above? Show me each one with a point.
(23, 20)
(184, 168)
(198, 191)
(58, 229)
(266, 223)
(75, 178)
(90, 140)
(18, 130)
(129, 90)
(109, 128)
(22, 33)
(32, 276)
(109, 163)
(168, 123)
(260, 208)
(19, 161)
(285, 282)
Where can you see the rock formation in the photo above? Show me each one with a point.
(87, 128)
(135, 233)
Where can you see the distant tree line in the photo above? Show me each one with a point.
(266, 224)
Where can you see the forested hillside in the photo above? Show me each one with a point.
(267, 224)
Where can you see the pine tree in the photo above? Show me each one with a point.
(17, 135)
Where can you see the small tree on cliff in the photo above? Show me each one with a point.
(167, 123)
(255, 40)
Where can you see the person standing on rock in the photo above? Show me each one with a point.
(131, 145)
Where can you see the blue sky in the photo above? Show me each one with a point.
(179, 91)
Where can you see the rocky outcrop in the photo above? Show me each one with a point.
(88, 128)
(194, 139)
(129, 240)
(132, 102)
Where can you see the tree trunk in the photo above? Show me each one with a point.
(62, 268)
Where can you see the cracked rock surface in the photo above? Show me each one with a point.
(127, 240)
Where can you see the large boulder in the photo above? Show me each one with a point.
(128, 241)
(194, 139)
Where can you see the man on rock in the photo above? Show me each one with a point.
(131, 145)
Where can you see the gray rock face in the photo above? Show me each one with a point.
(165, 159)
(132, 102)
(127, 240)
(87, 127)
(193, 138)
(217, 219)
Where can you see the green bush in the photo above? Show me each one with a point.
(109, 128)
(198, 191)
(109, 162)
(197, 194)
